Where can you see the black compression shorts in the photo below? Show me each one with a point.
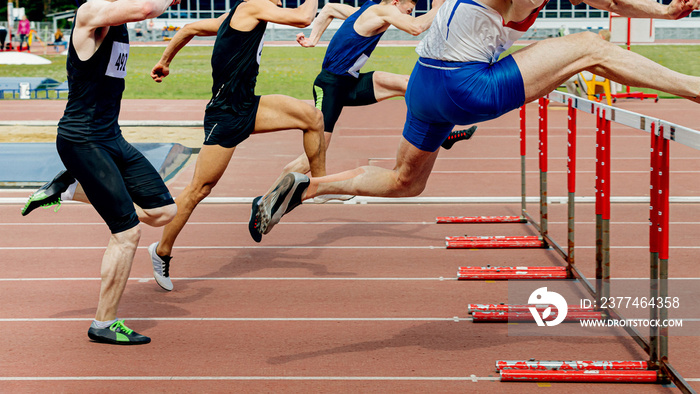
(333, 92)
(114, 176)
(228, 129)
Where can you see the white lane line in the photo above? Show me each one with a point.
(646, 223)
(234, 319)
(470, 378)
(276, 279)
(358, 247)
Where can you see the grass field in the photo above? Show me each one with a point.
(287, 70)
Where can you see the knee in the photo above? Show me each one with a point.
(315, 120)
(128, 239)
(409, 187)
(598, 48)
(200, 191)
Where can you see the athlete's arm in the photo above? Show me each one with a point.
(207, 27)
(646, 8)
(265, 10)
(409, 24)
(101, 13)
(94, 15)
(329, 12)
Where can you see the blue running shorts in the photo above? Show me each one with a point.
(443, 94)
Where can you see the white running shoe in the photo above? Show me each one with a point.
(324, 198)
(160, 268)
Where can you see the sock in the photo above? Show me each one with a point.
(102, 324)
(68, 194)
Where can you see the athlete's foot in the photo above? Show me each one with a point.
(286, 196)
(117, 334)
(49, 194)
(322, 199)
(458, 135)
(253, 221)
(161, 268)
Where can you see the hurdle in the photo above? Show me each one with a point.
(657, 369)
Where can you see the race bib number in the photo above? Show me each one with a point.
(355, 69)
(117, 61)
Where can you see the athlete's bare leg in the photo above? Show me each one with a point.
(275, 113)
(388, 85)
(210, 166)
(408, 178)
(278, 112)
(116, 265)
(547, 64)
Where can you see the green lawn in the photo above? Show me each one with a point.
(287, 70)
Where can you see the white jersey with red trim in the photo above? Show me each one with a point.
(467, 31)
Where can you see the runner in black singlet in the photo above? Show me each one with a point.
(112, 174)
(235, 112)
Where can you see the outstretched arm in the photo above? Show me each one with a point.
(207, 27)
(646, 8)
(97, 14)
(101, 13)
(409, 24)
(265, 10)
(329, 12)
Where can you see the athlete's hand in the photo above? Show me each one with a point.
(159, 72)
(303, 41)
(678, 9)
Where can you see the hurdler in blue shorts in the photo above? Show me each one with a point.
(459, 79)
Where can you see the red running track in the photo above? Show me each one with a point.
(339, 297)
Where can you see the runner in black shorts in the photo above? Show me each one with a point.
(110, 173)
(340, 82)
(235, 112)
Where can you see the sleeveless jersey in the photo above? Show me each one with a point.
(95, 89)
(348, 51)
(235, 62)
(467, 31)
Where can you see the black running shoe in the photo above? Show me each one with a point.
(49, 194)
(117, 334)
(458, 135)
(286, 196)
(253, 221)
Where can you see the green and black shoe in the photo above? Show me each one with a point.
(458, 135)
(117, 334)
(49, 194)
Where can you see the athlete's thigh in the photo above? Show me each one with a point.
(414, 164)
(278, 112)
(211, 164)
(94, 166)
(547, 64)
(145, 185)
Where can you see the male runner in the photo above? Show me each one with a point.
(340, 82)
(113, 175)
(234, 111)
(459, 79)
